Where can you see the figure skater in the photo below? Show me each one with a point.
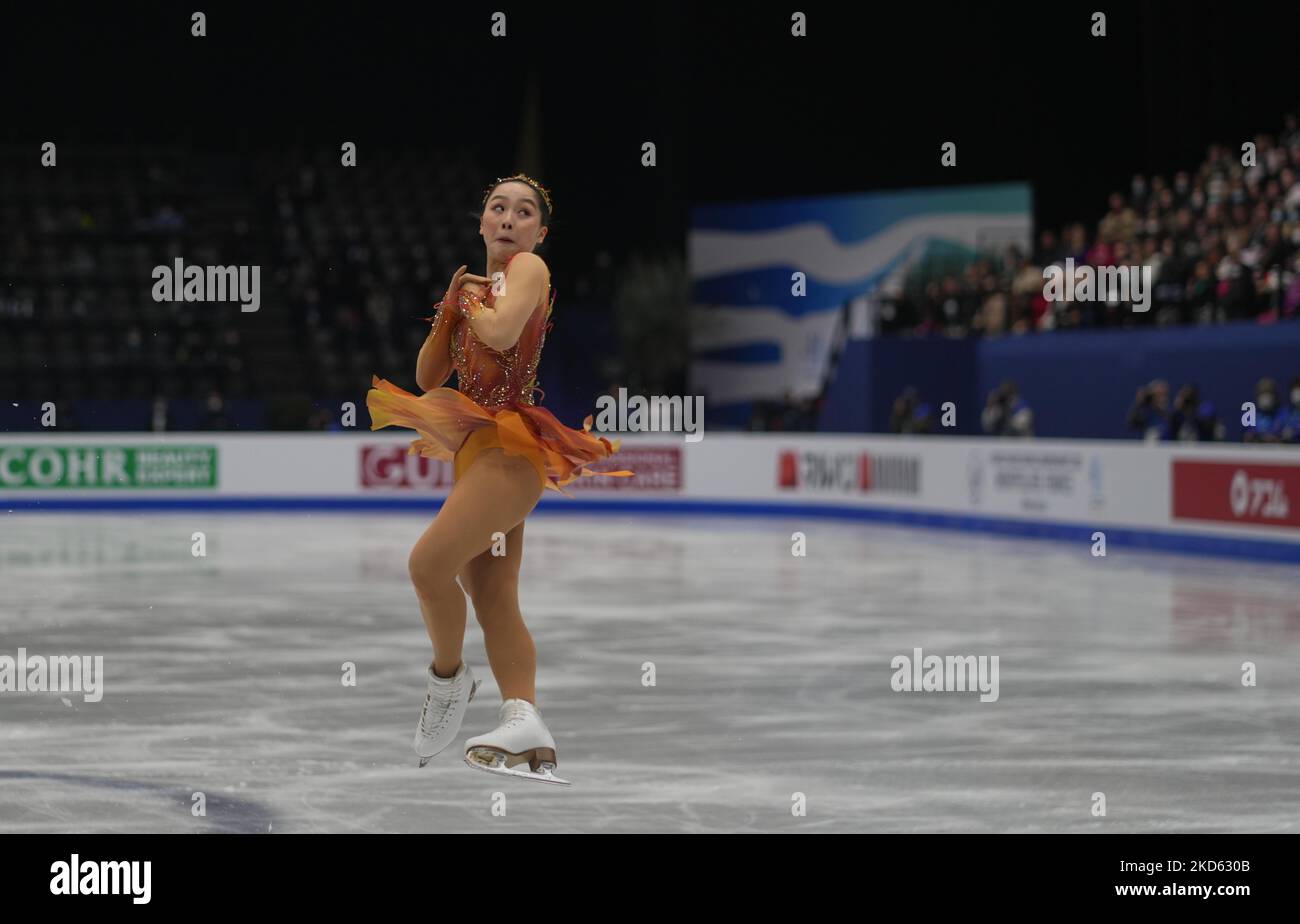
(506, 451)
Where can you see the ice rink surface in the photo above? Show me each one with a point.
(1119, 675)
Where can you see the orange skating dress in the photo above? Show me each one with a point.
(492, 406)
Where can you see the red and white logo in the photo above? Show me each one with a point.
(658, 468)
(393, 467)
(1236, 492)
(787, 469)
(848, 472)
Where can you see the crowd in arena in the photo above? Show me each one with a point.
(1005, 413)
(1265, 419)
(1222, 242)
(350, 262)
(353, 264)
(1268, 417)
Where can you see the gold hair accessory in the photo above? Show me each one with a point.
(523, 178)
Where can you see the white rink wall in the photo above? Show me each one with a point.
(1226, 499)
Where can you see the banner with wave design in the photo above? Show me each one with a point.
(753, 338)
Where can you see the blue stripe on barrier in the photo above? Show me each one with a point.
(1148, 539)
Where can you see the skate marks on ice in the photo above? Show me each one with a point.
(41, 801)
(772, 678)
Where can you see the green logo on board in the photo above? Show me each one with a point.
(108, 466)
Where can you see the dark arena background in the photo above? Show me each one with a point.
(981, 514)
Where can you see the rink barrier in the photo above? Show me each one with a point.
(1229, 500)
(1149, 540)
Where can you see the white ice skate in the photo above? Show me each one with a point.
(521, 738)
(444, 710)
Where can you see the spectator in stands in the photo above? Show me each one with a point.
(1021, 420)
(921, 421)
(158, 415)
(1209, 426)
(1236, 288)
(1291, 131)
(1200, 293)
(1076, 243)
(1291, 298)
(1267, 416)
(993, 418)
(214, 414)
(1171, 284)
(322, 419)
(904, 407)
(1149, 414)
(1049, 251)
(910, 414)
(1194, 420)
(1183, 425)
(992, 316)
(1119, 223)
(1006, 413)
(1028, 280)
(1288, 425)
(1138, 192)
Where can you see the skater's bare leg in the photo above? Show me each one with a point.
(448, 633)
(494, 495)
(492, 582)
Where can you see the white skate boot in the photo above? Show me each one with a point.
(444, 710)
(521, 738)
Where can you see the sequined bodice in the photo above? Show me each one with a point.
(498, 378)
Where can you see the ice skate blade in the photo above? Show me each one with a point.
(498, 762)
(424, 761)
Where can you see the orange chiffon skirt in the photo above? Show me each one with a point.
(456, 428)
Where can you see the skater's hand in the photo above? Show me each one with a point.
(468, 280)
